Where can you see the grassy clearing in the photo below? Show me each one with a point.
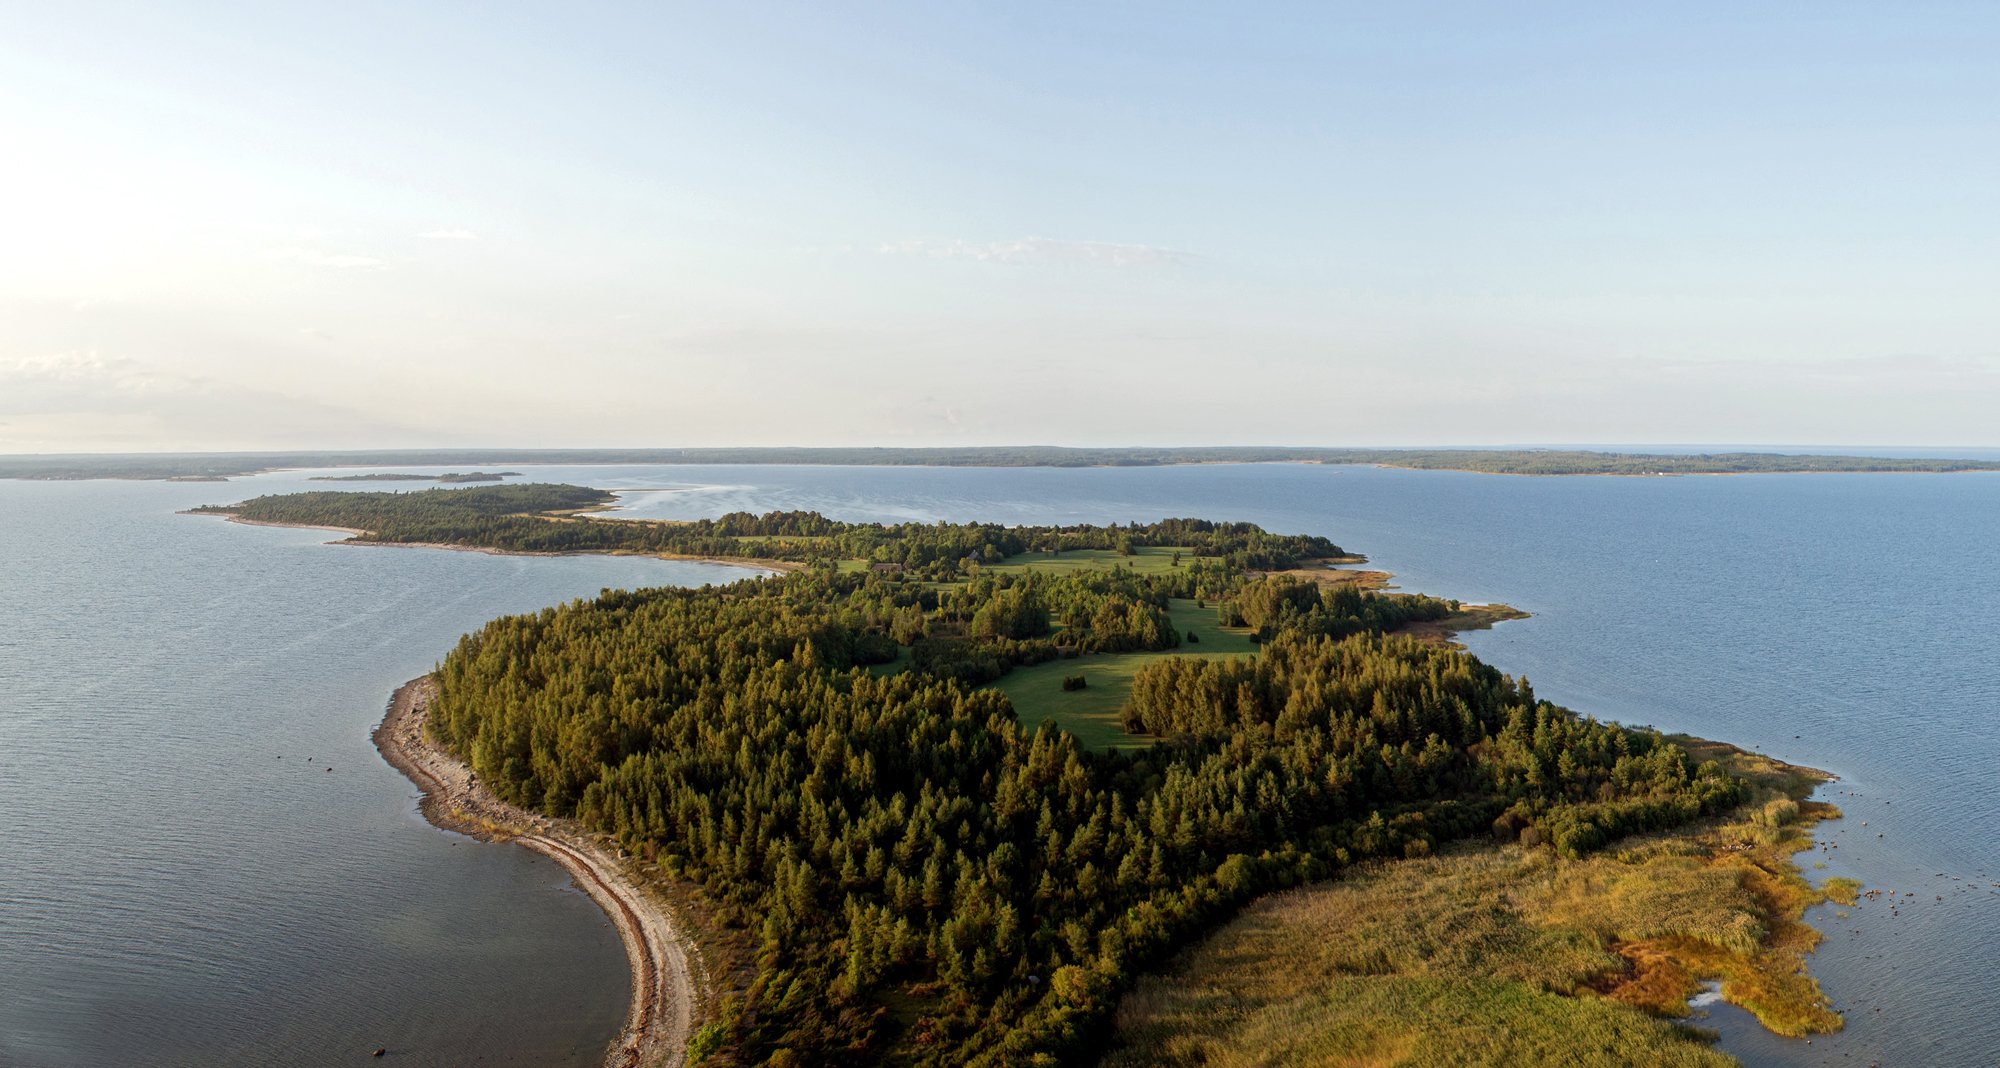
(893, 667)
(1148, 559)
(1495, 955)
(1092, 713)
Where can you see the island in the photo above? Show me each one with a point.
(1184, 792)
(449, 477)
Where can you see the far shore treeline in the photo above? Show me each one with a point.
(919, 877)
(207, 466)
(516, 518)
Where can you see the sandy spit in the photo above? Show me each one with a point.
(664, 991)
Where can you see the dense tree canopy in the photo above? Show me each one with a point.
(927, 879)
(518, 518)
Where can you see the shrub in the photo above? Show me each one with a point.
(1782, 812)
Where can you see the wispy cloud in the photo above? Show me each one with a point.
(1039, 250)
(91, 400)
(449, 235)
(55, 367)
(1878, 372)
(342, 261)
(77, 373)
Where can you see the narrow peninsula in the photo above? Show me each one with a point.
(1185, 792)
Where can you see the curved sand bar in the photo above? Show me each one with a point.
(663, 989)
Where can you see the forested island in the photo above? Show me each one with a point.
(1490, 461)
(910, 835)
(448, 478)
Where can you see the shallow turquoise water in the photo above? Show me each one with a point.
(182, 896)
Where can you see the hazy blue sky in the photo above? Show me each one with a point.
(352, 224)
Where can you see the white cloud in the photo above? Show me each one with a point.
(1039, 249)
(449, 235)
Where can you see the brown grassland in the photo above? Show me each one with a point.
(1497, 954)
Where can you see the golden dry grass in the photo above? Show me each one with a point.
(1497, 955)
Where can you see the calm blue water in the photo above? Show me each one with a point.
(1840, 621)
(178, 884)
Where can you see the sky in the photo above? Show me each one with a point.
(267, 226)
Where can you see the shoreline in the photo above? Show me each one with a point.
(1338, 571)
(664, 986)
(357, 535)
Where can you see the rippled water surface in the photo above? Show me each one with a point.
(183, 881)
(175, 893)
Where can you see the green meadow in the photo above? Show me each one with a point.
(1092, 713)
(1145, 559)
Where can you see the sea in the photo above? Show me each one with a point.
(206, 862)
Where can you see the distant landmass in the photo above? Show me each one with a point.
(1490, 461)
(448, 476)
